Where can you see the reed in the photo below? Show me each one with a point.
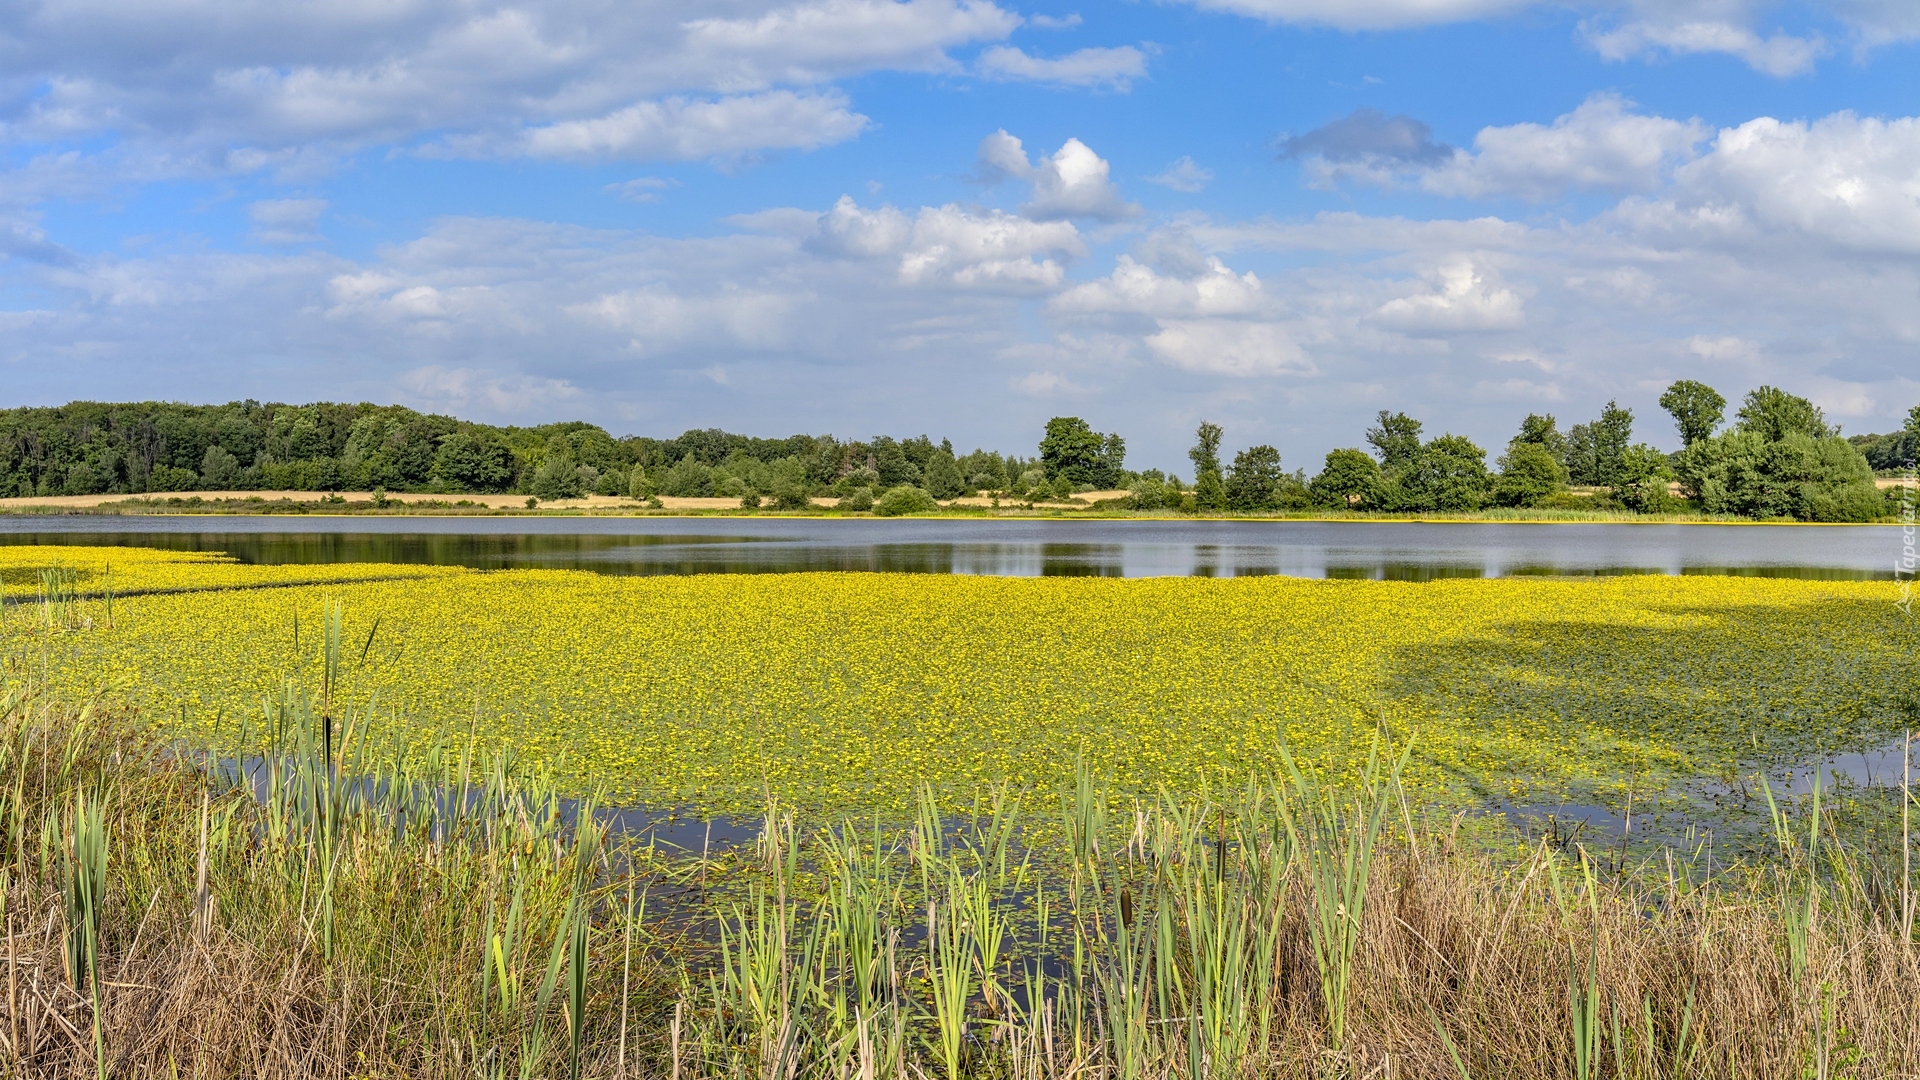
(348, 906)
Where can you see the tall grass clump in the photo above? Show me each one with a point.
(324, 901)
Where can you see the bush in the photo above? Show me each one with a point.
(858, 499)
(905, 499)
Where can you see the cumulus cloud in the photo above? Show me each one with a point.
(1114, 69)
(987, 248)
(1073, 183)
(1844, 179)
(1599, 146)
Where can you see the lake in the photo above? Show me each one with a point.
(1389, 550)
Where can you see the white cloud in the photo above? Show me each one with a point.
(951, 245)
(1001, 156)
(1598, 146)
(1051, 22)
(1134, 287)
(659, 318)
(1623, 29)
(1846, 179)
(1880, 22)
(1043, 384)
(1183, 175)
(192, 87)
(1365, 14)
(1456, 296)
(1721, 347)
(680, 129)
(987, 248)
(1670, 32)
(1073, 183)
(847, 230)
(286, 221)
(459, 389)
(1111, 68)
(643, 189)
(1229, 347)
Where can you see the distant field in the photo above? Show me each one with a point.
(850, 689)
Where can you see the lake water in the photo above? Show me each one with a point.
(1412, 551)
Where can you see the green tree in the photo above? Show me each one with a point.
(1797, 476)
(1529, 475)
(1595, 451)
(557, 478)
(1696, 409)
(1209, 488)
(1544, 432)
(943, 476)
(219, 469)
(789, 485)
(468, 462)
(1254, 483)
(1642, 483)
(1449, 474)
(1071, 448)
(1773, 414)
(1396, 441)
(1349, 479)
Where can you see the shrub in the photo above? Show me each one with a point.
(858, 499)
(905, 499)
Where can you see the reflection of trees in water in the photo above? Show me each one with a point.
(682, 554)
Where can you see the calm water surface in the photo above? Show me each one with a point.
(1415, 551)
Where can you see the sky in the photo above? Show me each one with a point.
(963, 217)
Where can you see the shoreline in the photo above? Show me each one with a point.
(1100, 508)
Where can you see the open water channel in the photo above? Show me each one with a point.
(1411, 551)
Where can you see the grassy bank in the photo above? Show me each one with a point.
(162, 923)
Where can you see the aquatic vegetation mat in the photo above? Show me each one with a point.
(842, 691)
(26, 571)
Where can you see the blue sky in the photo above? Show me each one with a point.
(865, 216)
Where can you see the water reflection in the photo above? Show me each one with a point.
(1384, 551)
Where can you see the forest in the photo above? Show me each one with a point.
(1777, 458)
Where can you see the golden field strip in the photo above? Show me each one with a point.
(849, 690)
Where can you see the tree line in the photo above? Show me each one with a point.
(1779, 458)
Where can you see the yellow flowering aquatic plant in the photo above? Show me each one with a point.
(850, 690)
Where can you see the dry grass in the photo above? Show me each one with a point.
(341, 930)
